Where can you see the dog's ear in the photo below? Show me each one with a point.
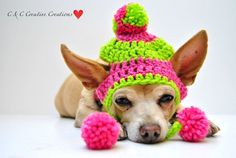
(89, 72)
(189, 58)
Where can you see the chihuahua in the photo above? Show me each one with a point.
(145, 111)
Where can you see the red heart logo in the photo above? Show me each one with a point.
(78, 13)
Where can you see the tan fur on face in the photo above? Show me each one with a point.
(144, 109)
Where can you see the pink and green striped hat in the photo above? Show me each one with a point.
(136, 57)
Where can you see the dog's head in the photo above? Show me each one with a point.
(145, 110)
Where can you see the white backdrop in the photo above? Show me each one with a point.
(32, 69)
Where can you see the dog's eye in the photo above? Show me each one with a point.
(166, 98)
(123, 101)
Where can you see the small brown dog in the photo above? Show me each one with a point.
(145, 109)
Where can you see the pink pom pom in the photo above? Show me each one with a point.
(195, 125)
(100, 131)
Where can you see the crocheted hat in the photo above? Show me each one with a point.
(132, 39)
(136, 57)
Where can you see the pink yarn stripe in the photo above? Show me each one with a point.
(143, 36)
(120, 14)
(141, 66)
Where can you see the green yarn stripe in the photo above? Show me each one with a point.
(175, 128)
(119, 51)
(139, 79)
(114, 26)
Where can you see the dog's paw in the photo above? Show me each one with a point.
(123, 133)
(77, 124)
(213, 129)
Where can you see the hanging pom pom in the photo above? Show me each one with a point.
(194, 123)
(100, 131)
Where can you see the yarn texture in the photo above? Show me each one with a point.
(175, 128)
(195, 124)
(139, 72)
(136, 57)
(117, 51)
(100, 131)
(135, 15)
(132, 39)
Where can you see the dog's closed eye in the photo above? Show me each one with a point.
(166, 98)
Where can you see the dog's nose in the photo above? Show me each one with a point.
(150, 133)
